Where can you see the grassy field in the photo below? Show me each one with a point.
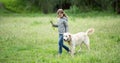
(31, 39)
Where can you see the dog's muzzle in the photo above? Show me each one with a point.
(65, 40)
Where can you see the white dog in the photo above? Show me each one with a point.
(77, 39)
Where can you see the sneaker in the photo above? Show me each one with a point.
(59, 55)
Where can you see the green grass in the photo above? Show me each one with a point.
(31, 39)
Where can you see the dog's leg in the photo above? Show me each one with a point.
(80, 48)
(72, 50)
(88, 46)
(87, 43)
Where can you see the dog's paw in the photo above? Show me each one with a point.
(79, 51)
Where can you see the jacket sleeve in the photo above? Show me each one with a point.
(66, 25)
(54, 25)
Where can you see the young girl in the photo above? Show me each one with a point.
(62, 25)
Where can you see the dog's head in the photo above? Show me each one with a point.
(67, 37)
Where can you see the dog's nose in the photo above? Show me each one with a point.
(64, 39)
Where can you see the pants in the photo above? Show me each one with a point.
(60, 43)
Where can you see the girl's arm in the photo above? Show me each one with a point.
(54, 25)
(66, 25)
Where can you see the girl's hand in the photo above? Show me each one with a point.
(51, 23)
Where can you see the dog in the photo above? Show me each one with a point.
(77, 39)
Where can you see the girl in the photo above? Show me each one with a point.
(62, 25)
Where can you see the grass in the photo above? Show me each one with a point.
(31, 39)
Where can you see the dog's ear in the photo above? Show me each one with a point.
(70, 35)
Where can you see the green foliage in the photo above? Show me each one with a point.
(20, 6)
(49, 6)
(73, 9)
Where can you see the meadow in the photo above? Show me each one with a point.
(32, 39)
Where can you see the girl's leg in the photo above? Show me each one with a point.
(60, 43)
(66, 48)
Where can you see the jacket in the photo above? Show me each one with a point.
(62, 25)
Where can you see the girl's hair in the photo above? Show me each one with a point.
(61, 11)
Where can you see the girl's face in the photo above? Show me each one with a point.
(60, 14)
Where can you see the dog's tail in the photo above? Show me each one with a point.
(90, 31)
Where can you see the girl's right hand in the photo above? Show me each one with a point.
(51, 23)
